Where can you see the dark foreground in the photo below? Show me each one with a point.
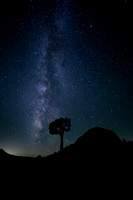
(97, 148)
(99, 159)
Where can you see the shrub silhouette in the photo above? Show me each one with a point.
(58, 127)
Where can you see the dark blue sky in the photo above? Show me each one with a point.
(64, 58)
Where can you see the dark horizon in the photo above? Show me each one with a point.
(98, 130)
(64, 58)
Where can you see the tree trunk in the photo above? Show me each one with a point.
(61, 142)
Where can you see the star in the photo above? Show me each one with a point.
(63, 59)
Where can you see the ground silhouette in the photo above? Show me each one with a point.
(97, 149)
(97, 145)
(98, 163)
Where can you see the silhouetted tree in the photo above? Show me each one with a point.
(58, 127)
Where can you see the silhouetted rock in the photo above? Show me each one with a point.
(98, 157)
(98, 148)
(3, 154)
(98, 139)
(97, 145)
(98, 136)
(39, 157)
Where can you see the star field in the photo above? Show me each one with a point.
(62, 58)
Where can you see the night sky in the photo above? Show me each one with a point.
(64, 58)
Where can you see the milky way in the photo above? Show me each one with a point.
(64, 58)
(49, 74)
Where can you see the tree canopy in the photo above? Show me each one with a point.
(59, 126)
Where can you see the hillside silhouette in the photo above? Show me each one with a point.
(98, 147)
(98, 161)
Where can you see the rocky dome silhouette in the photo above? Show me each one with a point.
(97, 136)
(95, 143)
